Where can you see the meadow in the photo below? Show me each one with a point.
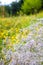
(13, 31)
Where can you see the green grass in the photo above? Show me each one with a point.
(21, 21)
(10, 26)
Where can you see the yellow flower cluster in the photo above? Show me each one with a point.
(10, 28)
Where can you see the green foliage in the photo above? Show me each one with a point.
(22, 7)
(16, 7)
(31, 6)
(8, 10)
(12, 9)
(42, 4)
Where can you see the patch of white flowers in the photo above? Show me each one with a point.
(31, 53)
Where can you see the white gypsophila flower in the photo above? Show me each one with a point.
(13, 62)
(1, 62)
(8, 55)
(28, 57)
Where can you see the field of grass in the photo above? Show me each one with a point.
(10, 27)
(14, 29)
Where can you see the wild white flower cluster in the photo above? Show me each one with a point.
(31, 53)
